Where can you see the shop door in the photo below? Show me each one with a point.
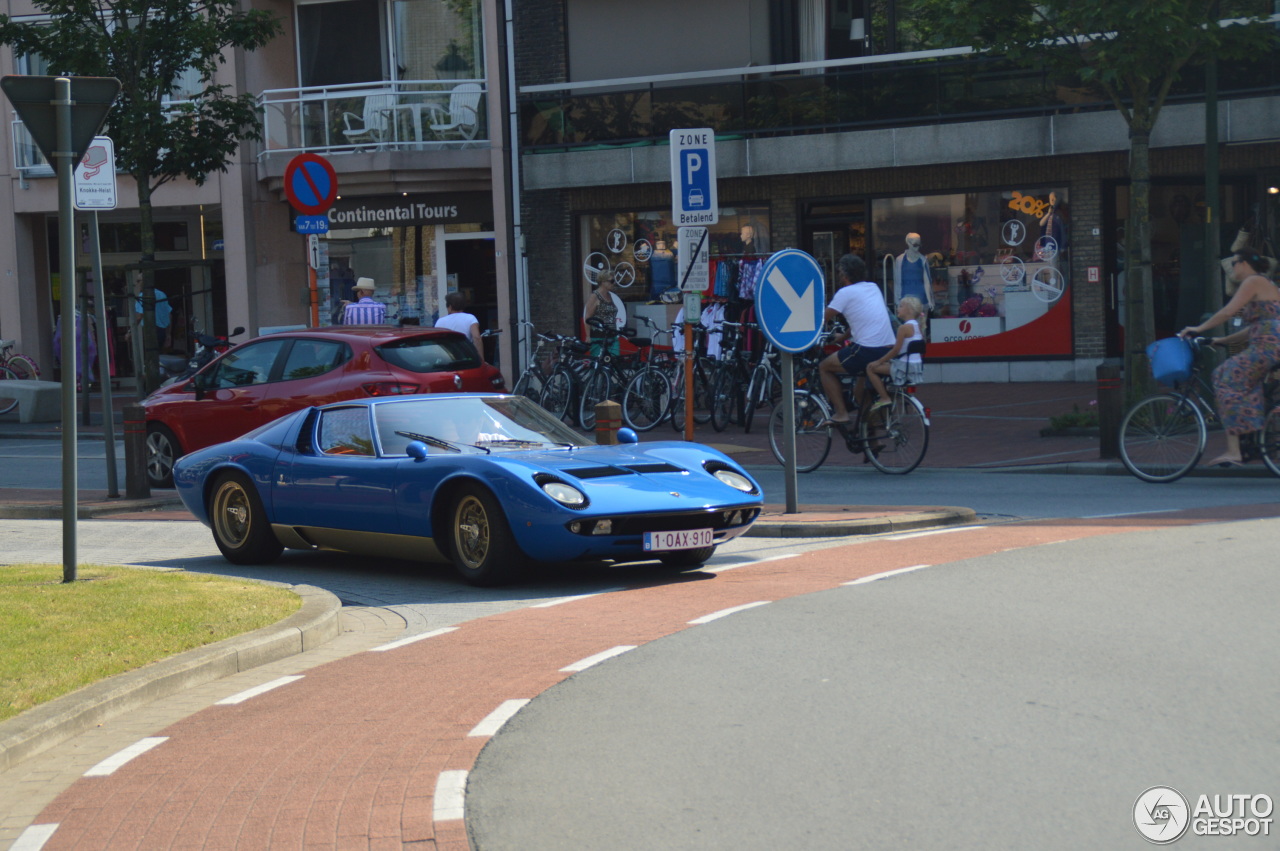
(471, 268)
(829, 231)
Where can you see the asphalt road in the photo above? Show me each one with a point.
(1017, 700)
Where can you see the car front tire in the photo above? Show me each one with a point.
(484, 551)
(162, 450)
(240, 527)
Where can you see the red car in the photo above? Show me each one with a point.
(268, 377)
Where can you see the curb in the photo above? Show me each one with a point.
(86, 511)
(828, 528)
(52, 723)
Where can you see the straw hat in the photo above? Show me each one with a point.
(364, 284)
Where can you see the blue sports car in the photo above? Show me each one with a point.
(489, 482)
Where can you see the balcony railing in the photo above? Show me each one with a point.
(393, 115)
(782, 100)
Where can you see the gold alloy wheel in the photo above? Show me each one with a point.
(472, 531)
(231, 513)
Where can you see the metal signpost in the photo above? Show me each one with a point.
(311, 187)
(95, 189)
(694, 202)
(63, 114)
(790, 305)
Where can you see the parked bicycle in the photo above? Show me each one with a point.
(560, 390)
(1163, 436)
(541, 362)
(893, 438)
(646, 400)
(14, 366)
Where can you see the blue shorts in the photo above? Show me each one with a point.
(855, 358)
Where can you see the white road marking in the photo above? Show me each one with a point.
(907, 535)
(495, 719)
(724, 567)
(135, 750)
(560, 600)
(448, 803)
(256, 690)
(1127, 514)
(875, 577)
(33, 838)
(598, 658)
(412, 639)
(726, 612)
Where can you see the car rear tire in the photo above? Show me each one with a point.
(687, 559)
(240, 526)
(162, 450)
(482, 547)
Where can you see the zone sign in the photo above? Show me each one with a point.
(694, 201)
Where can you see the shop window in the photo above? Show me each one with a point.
(989, 262)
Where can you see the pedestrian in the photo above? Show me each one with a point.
(364, 311)
(457, 319)
(1237, 382)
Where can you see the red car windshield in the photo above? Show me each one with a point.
(430, 354)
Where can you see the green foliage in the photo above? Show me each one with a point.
(56, 637)
(149, 45)
(1076, 418)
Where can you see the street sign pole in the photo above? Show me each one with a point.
(104, 356)
(789, 479)
(65, 163)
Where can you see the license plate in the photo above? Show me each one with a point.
(688, 539)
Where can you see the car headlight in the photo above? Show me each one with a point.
(734, 480)
(565, 494)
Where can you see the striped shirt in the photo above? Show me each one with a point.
(365, 312)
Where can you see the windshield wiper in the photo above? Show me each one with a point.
(437, 442)
(525, 443)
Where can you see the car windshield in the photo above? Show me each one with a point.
(422, 353)
(456, 424)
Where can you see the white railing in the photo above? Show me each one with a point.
(27, 158)
(390, 115)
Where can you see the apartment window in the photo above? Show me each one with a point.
(360, 41)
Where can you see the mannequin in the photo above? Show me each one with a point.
(911, 275)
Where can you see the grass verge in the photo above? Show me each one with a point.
(56, 637)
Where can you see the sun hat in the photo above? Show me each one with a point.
(365, 284)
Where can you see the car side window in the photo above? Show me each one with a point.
(246, 365)
(309, 358)
(345, 431)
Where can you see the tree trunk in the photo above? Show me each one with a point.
(149, 369)
(1139, 326)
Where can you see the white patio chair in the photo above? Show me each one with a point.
(375, 123)
(462, 119)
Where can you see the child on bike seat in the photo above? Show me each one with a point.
(909, 311)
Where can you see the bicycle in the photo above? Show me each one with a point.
(646, 400)
(894, 439)
(1163, 436)
(605, 377)
(538, 370)
(765, 386)
(561, 386)
(14, 367)
(703, 371)
(732, 374)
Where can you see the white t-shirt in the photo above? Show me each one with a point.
(863, 309)
(460, 322)
(914, 357)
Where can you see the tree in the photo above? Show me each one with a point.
(1133, 51)
(151, 46)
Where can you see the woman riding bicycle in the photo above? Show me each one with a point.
(1237, 382)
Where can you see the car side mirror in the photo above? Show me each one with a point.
(626, 435)
(417, 450)
(200, 384)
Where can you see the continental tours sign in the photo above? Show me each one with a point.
(410, 210)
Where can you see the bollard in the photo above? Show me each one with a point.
(1110, 409)
(136, 485)
(608, 421)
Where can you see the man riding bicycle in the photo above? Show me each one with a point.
(860, 305)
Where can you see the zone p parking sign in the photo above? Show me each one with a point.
(694, 201)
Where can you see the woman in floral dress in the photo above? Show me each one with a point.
(1237, 382)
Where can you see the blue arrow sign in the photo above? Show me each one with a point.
(790, 300)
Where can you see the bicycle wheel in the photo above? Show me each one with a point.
(701, 396)
(727, 399)
(557, 393)
(646, 400)
(7, 403)
(1162, 437)
(594, 391)
(895, 438)
(1269, 442)
(529, 385)
(23, 367)
(813, 442)
(757, 390)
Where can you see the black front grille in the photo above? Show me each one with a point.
(596, 472)
(716, 519)
(654, 467)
